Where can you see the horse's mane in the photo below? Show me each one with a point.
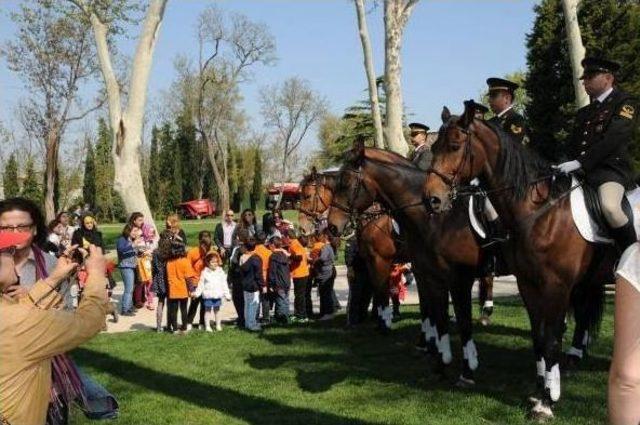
(518, 165)
(311, 178)
(391, 158)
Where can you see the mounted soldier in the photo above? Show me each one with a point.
(501, 102)
(422, 155)
(599, 144)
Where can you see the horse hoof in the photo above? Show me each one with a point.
(571, 363)
(540, 413)
(383, 330)
(533, 400)
(485, 321)
(465, 382)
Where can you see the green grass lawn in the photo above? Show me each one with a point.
(323, 374)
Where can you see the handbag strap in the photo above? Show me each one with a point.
(41, 265)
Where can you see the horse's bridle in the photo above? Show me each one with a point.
(317, 199)
(452, 182)
(348, 209)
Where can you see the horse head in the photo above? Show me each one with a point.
(352, 193)
(315, 198)
(458, 157)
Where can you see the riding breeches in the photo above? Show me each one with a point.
(611, 194)
(489, 210)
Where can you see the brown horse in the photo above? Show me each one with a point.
(554, 265)
(443, 251)
(376, 244)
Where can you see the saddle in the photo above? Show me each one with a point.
(587, 212)
(478, 219)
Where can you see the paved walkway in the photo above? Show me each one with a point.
(146, 319)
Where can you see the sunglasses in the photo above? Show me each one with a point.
(20, 228)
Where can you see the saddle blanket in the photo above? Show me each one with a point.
(585, 224)
(476, 222)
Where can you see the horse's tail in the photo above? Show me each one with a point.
(588, 297)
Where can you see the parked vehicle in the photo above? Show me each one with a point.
(290, 196)
(198, 208)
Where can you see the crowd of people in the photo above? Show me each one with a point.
(254, 265)
(250, 264)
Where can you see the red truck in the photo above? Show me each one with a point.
(290, 196)
(198, 208)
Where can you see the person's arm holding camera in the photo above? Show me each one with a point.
(46, 333)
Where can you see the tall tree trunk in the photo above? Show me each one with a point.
(396, 15)
(50, 173)
(126, 126)
(221, 177)
(576, 49)
(371, 74)
(282, 180)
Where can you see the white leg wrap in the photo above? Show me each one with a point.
(431, 332)
(470, 353)
(552, 382)
(425, 325)
(541, 367)
(386, 315)
(573, 351)
(488, 303)
(444, 348)
(585, 339)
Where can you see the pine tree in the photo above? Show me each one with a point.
(234, 177)
(10, 177)
(104, 174)
(32, 185)
(256, 187)
(170, 178)
(89, 181)
(185, 139)
(153, 191)
(609, 28)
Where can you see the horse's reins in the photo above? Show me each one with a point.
(317, 199)
(467, 155)
(474, 190)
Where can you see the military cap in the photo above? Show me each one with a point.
(593, 65)
(416, 126)
(477, 107)
(495, 83)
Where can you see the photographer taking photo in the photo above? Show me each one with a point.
(31, 333)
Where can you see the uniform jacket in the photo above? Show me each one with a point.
(514, 125)
(601, 137)
(421, 157)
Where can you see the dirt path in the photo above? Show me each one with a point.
(146, 319)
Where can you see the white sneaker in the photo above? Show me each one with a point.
(208, 329)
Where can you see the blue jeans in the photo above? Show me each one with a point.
(281, 296)
(128, 278)
(251, 304)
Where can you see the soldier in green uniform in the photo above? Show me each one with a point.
(599, 144)
(501, 97)
(422, 155)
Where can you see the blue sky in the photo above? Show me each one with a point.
(450, 48)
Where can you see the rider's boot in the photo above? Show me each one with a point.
(624, 236)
